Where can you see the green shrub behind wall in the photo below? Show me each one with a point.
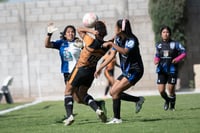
(171, 13)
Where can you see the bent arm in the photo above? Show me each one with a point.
(48, 43)
(182, 55)
(121, 50)
(83, 30)
(156, 60)
(105, 63)
(179, 58)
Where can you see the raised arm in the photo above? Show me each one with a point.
(83, 30)
(48, 43)
(50, 29)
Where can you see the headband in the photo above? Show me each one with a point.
(123, 24)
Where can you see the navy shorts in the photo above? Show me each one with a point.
(133, 77)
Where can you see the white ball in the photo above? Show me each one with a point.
(89, 20)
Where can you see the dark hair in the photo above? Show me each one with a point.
(167, 28)
(101, 28)
(64, 31)
(126, 32)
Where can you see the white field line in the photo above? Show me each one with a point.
(20, 107)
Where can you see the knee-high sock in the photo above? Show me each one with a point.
(172, 99)
(106, 90)
(116, 108)
(68, 103)
(91, 102)
(164, 96)
(127, 97)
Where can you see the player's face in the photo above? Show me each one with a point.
(117, 30)
(165, 35)
(70, 34)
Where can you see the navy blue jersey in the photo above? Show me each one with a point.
(166, 52)
(69, 54)
(132, 61)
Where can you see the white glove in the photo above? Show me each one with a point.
(78, 43)
(51, 28)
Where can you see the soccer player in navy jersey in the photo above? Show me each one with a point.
(127, 45)
(168, 54)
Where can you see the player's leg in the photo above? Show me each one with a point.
(68, 100)
(172, 96)
(97, 106)
(68, 103)
(119, 86)
(139, 100)
(171, 89)
(161, 81)
(109, 74)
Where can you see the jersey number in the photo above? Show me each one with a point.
(93, 59)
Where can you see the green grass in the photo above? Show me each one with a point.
(44, 117)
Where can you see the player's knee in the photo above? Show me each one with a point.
(114, 94)
(78, 101)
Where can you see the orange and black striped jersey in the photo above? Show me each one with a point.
(91, 53)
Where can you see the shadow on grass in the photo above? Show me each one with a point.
(81, 122)
(193, 108)
(60, 120)
(165, 118)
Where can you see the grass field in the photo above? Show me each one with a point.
(45, 117)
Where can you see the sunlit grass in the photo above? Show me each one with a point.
(45, 118)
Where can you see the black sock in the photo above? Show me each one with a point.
(68, 103)
(165, 96)
(98, 102)
(128, 97)
(106, 90)
(116, 108)
(91, 102)
(172, 100)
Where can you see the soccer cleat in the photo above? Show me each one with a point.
(172, 106)
(69, 120)
(166, 105)
(101, 115)
(138, 105)
(115, 121)
(103, 107)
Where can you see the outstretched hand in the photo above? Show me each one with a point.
(51, 28)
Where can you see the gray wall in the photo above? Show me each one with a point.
(36, 70)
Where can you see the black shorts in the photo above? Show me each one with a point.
(66, 76)
(82, 76)
(111, 72)
(164, 78)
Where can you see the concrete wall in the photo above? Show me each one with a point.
(36, 70)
